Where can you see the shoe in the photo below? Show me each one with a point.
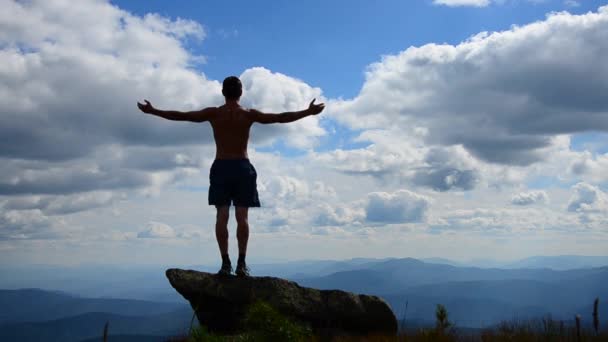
(226, 269)
(242, 270)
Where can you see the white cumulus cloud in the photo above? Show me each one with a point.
(587, 198)
(503, 96)
(402, 206)
(530, 197)
(157, 230)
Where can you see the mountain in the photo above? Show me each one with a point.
(90, 325)
(475, 297)
(395, 275)
(560, 262)
(34, 305)
(123, 281)
(100, 281)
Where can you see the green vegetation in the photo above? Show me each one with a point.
(264, 323)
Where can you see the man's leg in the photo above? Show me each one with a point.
(242, 228)
(221, 228)
(242, 235)
(221, 235)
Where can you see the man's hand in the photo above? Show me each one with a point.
(146, 108)
(315, 109)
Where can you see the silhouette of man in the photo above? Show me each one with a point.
(232, 177)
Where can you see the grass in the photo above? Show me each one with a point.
(262, 323)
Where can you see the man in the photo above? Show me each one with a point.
(232, 177)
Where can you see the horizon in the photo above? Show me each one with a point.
(474, 263)
(461, 130)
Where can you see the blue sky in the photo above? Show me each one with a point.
(453, 128)
(329, 43)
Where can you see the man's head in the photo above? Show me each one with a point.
(232, 89)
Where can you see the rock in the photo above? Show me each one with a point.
(220, 304)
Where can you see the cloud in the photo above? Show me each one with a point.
(338, 215)
(33, 224)
(402, 206)
(587, 198)
(27, 177)
(67, 102)
(501, 221)
(61, 205)
(274, 93)
(64, 94)
(447, 178)
(393, 158)
(530, 197)
(73, 139)
(329, 231)
(590, 167)
(494, 110)
(457, 3)
(446, 169)
(284, 189)
(157, 230)
(502, 96)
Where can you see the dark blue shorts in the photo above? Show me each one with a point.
(233, 181)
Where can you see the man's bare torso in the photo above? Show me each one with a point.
(231, 125)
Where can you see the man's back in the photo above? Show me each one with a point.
(231, 125)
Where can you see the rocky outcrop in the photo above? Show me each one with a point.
(220, 304)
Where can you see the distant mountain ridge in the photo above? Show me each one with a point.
(90, 325)
(560, 262)
(474, 296)
(394, 275)
(557, 262)
(124, 281)
(36, 305)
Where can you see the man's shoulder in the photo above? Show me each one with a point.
(238, 109)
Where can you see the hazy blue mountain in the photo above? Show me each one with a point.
(474, 296)
(38, 305)
(560, 262)
(562, 299)
(464, 312)
(444, 262)
(126, 281)
(133, 282)
(395, 275)
(90, 325)
(300, 269)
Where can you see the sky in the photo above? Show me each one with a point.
(463, 129)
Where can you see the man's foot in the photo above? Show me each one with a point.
(242, 270)
(226, 269)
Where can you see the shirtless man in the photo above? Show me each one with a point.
(232, 177)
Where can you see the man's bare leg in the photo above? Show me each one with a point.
(242, 228)
(221, 235)
(242, 235)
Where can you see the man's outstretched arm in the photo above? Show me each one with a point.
(313, 109)
(194, 116)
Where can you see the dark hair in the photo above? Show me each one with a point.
(232, 88)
